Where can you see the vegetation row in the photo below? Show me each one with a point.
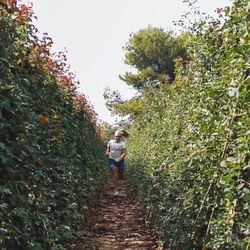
(188, 153)
(51, 153)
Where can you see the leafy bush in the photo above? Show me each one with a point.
(51, 153)
(188, 154)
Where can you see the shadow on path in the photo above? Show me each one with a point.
(116, 223)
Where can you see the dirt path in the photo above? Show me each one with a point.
(116, 223)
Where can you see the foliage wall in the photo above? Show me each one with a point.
(51, 150)
(188, 155)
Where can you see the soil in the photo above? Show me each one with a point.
(116, 222)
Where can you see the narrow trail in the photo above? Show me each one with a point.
(116, 223)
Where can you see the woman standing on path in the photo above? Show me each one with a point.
(116, 150)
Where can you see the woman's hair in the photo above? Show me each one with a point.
(122, 132)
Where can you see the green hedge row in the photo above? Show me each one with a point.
(51, 150)
(188, 154)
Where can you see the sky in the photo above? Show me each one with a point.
(94, 33)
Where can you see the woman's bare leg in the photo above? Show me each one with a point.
(115, 176)
(121, 173)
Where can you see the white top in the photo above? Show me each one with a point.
(115, 149)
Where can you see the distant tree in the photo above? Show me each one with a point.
(118, 106)
(152, 52)
(108, 130)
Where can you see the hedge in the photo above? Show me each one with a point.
(52, 152)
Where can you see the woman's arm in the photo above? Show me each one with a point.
(123, 154)
(107, 150)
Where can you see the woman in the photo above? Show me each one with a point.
(116, 150)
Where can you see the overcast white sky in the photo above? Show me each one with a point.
(94, 32)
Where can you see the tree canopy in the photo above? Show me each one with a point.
(151, 52)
